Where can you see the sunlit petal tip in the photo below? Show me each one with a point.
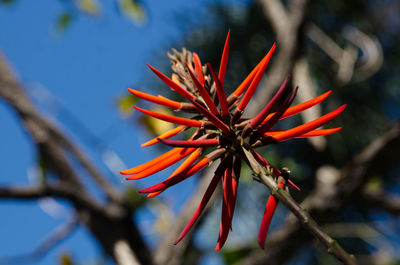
(198, 67)
(175, 78)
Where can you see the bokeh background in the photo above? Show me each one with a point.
(75, 58)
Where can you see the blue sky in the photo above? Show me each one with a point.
(84, 69)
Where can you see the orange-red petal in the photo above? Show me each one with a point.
(203, 203)
(191, 143)
(224, 59)
(172, 119)
(161, 101)
(309, 126)
(150, 163)
(227, 209)
(178, 178)
(183, 167)
(270, 106)
(198, 67)
(163, 164)
(302, 106)
(165, 135)
(267, 217)
(204, 94)
(313, 133)
(173, 85)
(220, 92)
(278, 114)
(246, 82)
(257, 78)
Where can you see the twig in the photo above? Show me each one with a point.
(110, 223)
(302, 78)
(347, 57)
(378, 199)
(324, 204)
(302, 215)
(287, 24)
(63, 191)
(45, 134)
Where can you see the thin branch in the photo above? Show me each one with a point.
(372, 52)
(380, 200)
(278, 16)
(302, 215)
(58, 235)
(347, 57)
(63, 191)
(110, 223)
(327, 199)
(106, 186)
(302, 78)
(288, 29)
(45, 134)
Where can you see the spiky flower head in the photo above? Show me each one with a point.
(221, 128)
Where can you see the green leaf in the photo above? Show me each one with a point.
(156, 126)
(374, 183)
(91, 7)
(6, 1)
(125, 104)
(132, 10)
(66, 259)
(63, 21)
(135, 199)
(44, 169)
(233, 256)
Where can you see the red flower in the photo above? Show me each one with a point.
(224, 130)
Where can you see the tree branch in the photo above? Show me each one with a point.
(380, 200)
(49, 138)
(63, 191)
(333, 247)
(288, 29)
(110, 223)
(333, 191)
